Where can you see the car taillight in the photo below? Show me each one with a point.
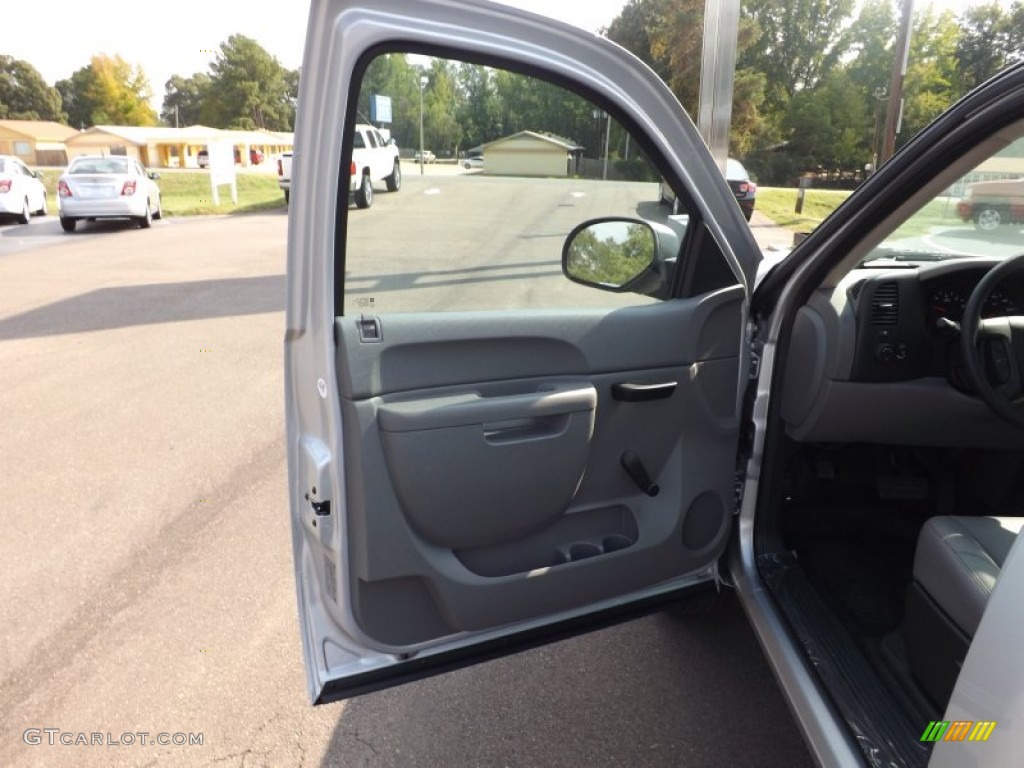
(63, 189)
(5, 185)
(128, 189)
(280, 167)
(743, 187)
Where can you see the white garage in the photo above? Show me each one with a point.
(528, 154)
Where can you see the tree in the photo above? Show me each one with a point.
(183, 99)
(869, 41)
(827, 129)
(24, 95)
(441, 128)
(930, 84)
(800, 42)
(990, 39)
(677, 40)
(249, 88)
(392, 75)
(109, 91)
(633, 29)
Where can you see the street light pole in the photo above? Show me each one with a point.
(423, 84)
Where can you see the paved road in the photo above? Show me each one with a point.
(147, 560)
(967, 241)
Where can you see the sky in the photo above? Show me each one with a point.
(184, 38)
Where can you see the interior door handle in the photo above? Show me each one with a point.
(633, 392)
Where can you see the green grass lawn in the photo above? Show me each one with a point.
(779, 205)
(187, 193)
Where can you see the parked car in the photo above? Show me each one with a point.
(842, 446)
(428, 156)
(992, 204)
(203, 158)
(374, 159)
(743, 189)
(473, 161)
(21, 191)
(107, 187)
(255, 156)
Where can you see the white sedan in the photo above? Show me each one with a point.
(107, 188)
(21, 191)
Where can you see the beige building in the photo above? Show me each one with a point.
(161, 147)
(528, 154)
(35, 142)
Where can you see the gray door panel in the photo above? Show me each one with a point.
(458, 480)
(477, 496)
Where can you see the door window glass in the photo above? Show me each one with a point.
(520, 164)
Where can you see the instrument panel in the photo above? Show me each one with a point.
(949, 300)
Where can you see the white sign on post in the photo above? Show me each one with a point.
(222, 169)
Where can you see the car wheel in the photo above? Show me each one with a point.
(748, 214)
(43, 210)
(286, 197)
(146, 221)
(988, 219)
(467, 166)
(394, 181)
(159, 209)
(68, 225)
(25, 214)
(364, 195)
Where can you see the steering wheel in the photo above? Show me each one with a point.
(993, 348)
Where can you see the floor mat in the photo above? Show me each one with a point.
(864, 580)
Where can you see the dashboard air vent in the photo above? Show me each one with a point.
(885, 304)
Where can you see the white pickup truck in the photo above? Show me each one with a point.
(374, 159)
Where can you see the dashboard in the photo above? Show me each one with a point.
(877, 358)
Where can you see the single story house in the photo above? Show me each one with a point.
(35, 142)
(162, 147)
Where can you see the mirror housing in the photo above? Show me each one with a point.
(153, 175)
(620, 255)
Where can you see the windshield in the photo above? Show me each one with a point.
(100, 165)
(980, 214)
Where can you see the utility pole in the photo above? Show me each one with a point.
(894, 109)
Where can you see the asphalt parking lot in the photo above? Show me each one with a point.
(147, 556)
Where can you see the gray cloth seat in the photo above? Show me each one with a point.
(958, 560)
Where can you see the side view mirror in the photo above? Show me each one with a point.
(38, 175)
(153, 175)
(610, 254)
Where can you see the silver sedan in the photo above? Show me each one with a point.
(110, 187)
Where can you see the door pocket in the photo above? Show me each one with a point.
(572, 538)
